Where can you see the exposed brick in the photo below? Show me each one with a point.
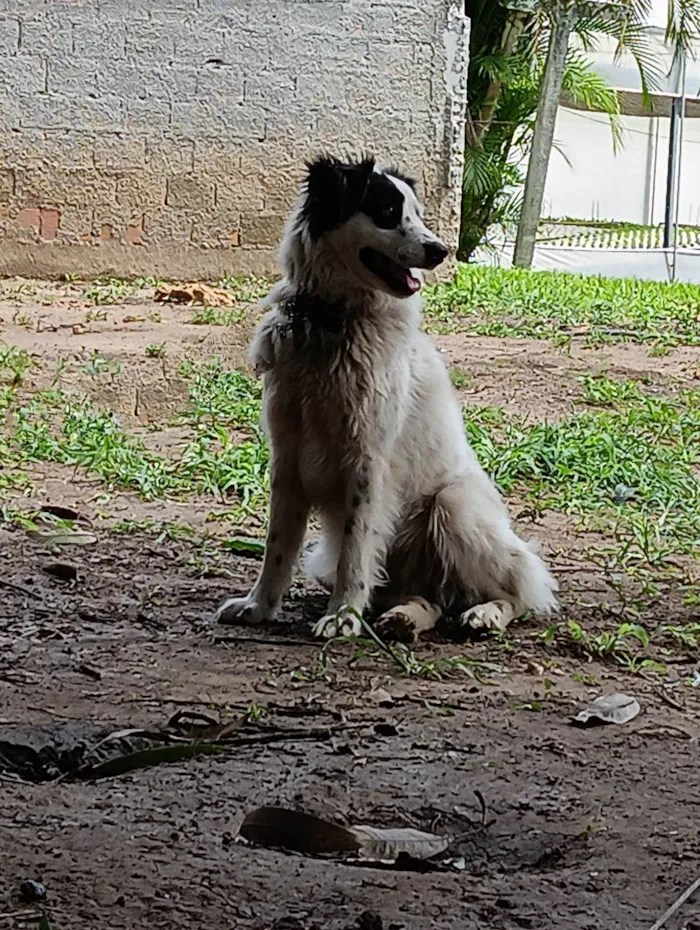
(50, 222)
(29, 218)
(134, 232)
(107, 232)
(190, 193)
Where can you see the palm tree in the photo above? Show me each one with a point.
(509, 44)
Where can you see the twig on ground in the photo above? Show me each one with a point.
(678, 903)
(19, 589)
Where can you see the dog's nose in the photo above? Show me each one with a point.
(435, 252)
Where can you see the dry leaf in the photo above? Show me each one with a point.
(387, 845)
(609, 708)
(195, 293)
(61, 537)
(281, 828)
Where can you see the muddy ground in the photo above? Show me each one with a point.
(593, 829)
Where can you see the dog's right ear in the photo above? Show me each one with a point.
(334, 192)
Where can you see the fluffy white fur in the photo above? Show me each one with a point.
(365, 429)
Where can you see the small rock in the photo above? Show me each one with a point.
(369, 921)
(32, 890)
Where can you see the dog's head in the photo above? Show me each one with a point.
(371, 222)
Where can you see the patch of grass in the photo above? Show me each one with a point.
(627, 644)
(553, 305)
(650, 448)
(460, 378)
(108, 289)
(225, 455)
(156, 351)
(218, 316)
(246, 289)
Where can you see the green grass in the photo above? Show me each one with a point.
(225, 455)
(638, 459)
(553, 305)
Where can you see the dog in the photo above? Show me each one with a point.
(365, 428)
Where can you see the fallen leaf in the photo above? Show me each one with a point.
(387, 845)
(245, 544)
(195, 293)
(61, 537)
(193, 725)
(609, 708)
(61, 513)
(281, 828)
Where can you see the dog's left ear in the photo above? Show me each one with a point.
(334, 192)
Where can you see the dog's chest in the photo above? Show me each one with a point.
(346, 404)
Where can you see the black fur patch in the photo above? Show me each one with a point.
(383, 202)
(334, 192)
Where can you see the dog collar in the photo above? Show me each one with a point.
(306, 313)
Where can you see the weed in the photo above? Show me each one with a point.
(460, 378)
(156, 351)
(98, 365)
(218, 316)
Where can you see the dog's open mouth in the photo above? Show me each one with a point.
(395, 276)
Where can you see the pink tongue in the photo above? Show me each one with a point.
(412, 283)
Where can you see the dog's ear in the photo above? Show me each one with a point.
(334, 192)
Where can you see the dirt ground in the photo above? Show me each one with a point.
(593, 829)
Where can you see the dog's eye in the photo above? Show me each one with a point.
(388, 217)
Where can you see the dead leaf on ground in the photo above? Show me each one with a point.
(195, 293)
(299, 832)
(387, 845)
(609, 708)
(61, 537)
(305, 833)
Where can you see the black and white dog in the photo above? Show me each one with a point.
(366, 430)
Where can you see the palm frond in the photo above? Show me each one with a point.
(591, 90)
(683, 26)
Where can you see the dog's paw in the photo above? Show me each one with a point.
(346, 622)
(404, 623)
(241, 610)
(495, 615)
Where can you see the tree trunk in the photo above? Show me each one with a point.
(563, 21)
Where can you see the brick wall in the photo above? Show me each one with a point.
(167, 136)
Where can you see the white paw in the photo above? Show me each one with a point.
(496, 615)
(241, 610)
(346, 622)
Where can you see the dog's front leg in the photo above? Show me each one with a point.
(289, 511)
(352, 587)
